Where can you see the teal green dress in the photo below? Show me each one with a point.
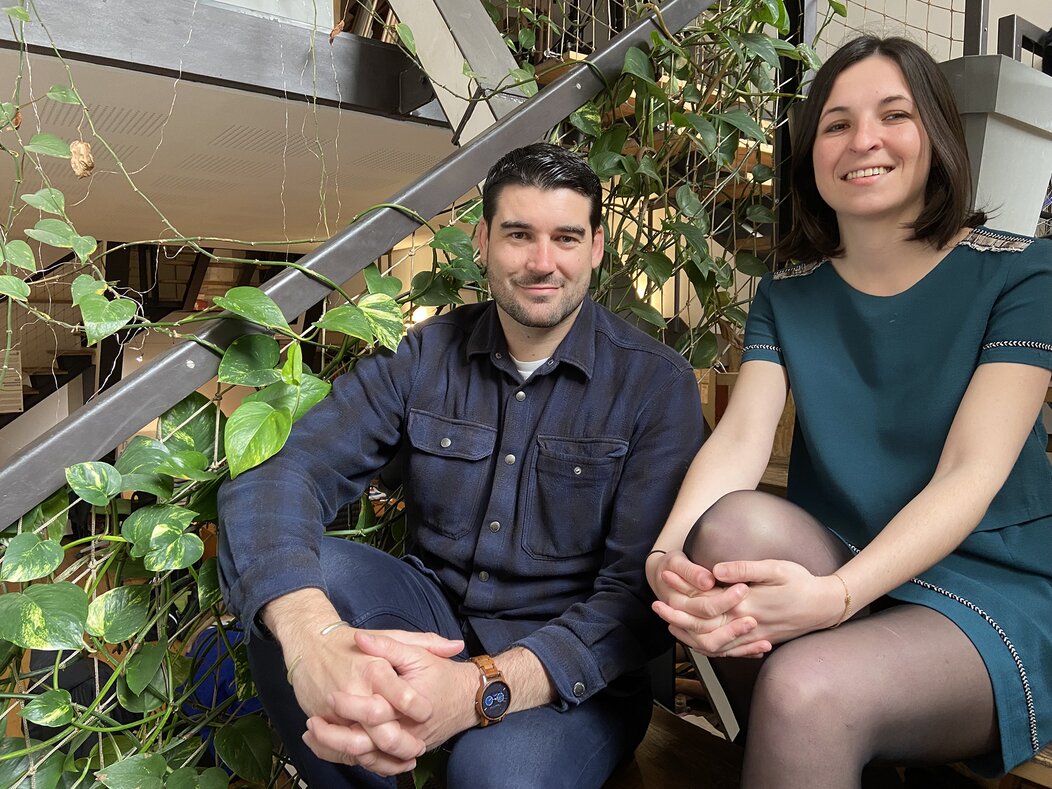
(877, 382)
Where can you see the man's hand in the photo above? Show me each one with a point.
(448, 686)
(699, 612)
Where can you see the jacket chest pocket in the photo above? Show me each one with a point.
(569, 495)
(448, 470)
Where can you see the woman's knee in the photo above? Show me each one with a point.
(797, 686)
(739, 525)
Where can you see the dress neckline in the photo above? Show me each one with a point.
(967, 241)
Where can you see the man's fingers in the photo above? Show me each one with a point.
(432, 642)
(355, 745)
(384, 681)
(368, 710)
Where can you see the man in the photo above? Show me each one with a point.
(541, 441)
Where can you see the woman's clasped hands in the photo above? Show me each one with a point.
(742, 608)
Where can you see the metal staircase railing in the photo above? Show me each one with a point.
(102, 424)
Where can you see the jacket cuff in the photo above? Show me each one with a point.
(258, 585)
(570, 665)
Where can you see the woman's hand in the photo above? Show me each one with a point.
(785, 600)
(701, 614)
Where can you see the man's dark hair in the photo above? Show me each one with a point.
(543, 166)
(948, 193)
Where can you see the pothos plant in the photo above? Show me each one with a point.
(132, 610)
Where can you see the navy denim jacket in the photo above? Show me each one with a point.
(534, 503)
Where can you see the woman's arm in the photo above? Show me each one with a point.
(733, 458)
(996, 413)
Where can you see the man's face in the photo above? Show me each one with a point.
(539, 251)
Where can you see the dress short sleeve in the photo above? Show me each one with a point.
(1020, 325)
(761, 333)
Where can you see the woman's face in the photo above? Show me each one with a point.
(871, 154)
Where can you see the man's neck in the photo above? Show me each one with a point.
(529, 343)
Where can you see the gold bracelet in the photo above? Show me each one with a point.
(292, 667)
(334, 626)
(847, 603)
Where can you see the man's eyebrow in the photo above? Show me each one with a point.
(885, 100)
(518, 224)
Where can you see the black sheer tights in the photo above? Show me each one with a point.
(903, 684)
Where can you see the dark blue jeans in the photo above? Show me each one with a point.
(540, 748)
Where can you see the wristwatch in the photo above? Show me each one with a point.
(493, 697)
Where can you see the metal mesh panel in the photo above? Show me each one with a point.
(937, 25)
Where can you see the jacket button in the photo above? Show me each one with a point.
(484, 576)
(494, 527)
(445, 442)
(577, 470)
(509, 459)
(578, 689)
(520, 396)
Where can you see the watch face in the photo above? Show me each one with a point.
(496, 699)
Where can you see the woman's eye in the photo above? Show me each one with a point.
(835, 127)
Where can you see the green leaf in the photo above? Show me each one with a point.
(50, 200)
(190, 778)
(588, 120)
(95, 482)
(742, 121)
(172, 549)
(143, 666)
(138, 467)
(103, 317)
(15, 771)
(405, 35)
(688, 203)
(53, 232)
(84, 246)
(694, 235)
(47, 144)
(527, 38)
(706, 131)
(51, 708)
(208, 593)
(28, 557)
(18, 253)
(253, 305)
(44, 616)
(760, 214)
(86, 285)
(53, 513)
(463, 270)
(638, 64)
(760, 46)
(656, 266)
(840, 9)
(120, 613)
(244, 746)
(139, 771)
(17, 12)
(747, 263)
(809, 57)
(761, 173)
(429, 289)
(13, 287)
(523, 79)
(186, 464)
(191, 425)
(171, 673)
(647, 313)
(454, 242)
(255, 432)
(292, 370)
(704, 352)
(385, 318)
(250, 361)
(375, 282)
(297, 400)
(347, 319)
(63, 94)
(7, 113)
(140, 527)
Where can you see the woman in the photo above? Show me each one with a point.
(918, 346)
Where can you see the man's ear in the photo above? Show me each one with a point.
(482, 239)
(598, 247)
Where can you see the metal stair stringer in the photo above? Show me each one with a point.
(101, 425)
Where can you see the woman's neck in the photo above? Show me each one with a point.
(881, 259)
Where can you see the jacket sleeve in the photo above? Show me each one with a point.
(272, 517)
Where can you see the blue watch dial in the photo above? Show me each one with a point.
(496, 698)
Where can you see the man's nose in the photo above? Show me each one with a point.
(542, 257)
